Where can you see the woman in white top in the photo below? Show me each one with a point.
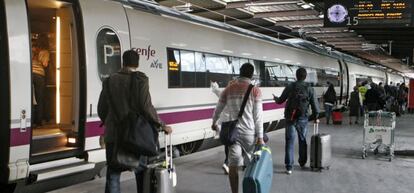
(40, 61)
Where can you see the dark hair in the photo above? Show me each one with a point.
(42, 42)
(246, 70)
(331, 89)
(301, 74)
(130, 58)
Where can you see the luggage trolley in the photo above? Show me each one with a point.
(379, 128)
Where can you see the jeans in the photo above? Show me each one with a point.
(328, 112)
(39, 84)
(113, 184)
(301, 127)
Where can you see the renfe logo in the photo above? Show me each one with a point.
(148, 52)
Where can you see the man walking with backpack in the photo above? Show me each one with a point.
(299, 96)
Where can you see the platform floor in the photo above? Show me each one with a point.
(201, 172)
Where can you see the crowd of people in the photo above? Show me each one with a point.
(373, 97)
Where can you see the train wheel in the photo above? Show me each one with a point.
(188, 148)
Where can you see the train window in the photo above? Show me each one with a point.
(312, 77)
(275, 75)
(217, 64)
(328, 76)
(235, 62)
(189, 69)
(218, 69)
(188, 75)
(258, 75)
(108, 49)
(174, 78)
(289, 72)
(200, 68)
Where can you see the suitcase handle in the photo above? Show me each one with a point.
(315, 128)
(168, 147)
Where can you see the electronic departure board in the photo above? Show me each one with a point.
(375, 13)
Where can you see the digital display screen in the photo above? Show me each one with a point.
(375, 13)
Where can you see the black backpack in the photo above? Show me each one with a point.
(299, 101)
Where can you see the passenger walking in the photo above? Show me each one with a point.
(372, 98)
(381, 90)
(117, 90)
(40, 61)
(354, 106)
(299, 96)
(402, 97)
(329, 99)
(223, 118)
(249, 126)
(363, 90)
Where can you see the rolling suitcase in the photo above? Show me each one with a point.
(161, 178)
(259, 173)
(337, 117)
(320, 156)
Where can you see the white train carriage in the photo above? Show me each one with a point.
(180, 53)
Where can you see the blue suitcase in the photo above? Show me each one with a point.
(259, 173)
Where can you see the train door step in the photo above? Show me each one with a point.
(49, 140)
(59, 171)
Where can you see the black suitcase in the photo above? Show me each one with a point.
(320, 157)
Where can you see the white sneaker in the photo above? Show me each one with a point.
(288, 172)
(226, 169)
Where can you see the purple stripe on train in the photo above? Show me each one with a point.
(19, 138)
(93, 128)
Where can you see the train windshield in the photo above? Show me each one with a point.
(54, 77)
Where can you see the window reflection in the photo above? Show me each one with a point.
(190, 69)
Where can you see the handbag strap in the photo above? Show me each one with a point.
(246, 96)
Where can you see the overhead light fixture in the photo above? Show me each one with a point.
(184, 8)
(306, 6)
(271, 3)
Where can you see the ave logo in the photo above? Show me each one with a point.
(156, 64)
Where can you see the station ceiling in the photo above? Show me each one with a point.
(304, 19)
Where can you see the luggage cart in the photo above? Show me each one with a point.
(379, 128)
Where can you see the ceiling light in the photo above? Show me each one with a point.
(306, 6)
(183, 8)
(271, 3)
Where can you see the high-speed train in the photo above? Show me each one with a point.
(181, 54)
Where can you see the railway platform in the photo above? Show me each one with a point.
(201, 172)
